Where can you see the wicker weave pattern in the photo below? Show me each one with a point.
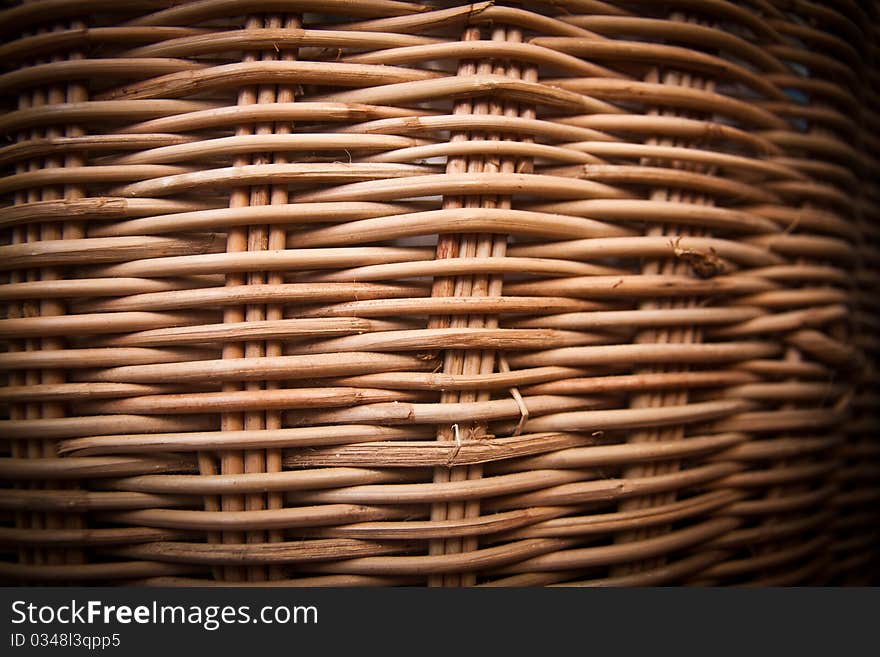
(365, 292)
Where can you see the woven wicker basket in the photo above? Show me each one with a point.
(370, 292)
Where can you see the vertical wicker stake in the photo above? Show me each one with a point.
(66, 92)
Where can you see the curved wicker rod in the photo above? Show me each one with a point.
(776, 476)
(708, 37)
(657, 54)
(196, 12)
(780, 420)
(739, 220)
(428, 529)
(625, 453)
(287, 481)
(76, 427)
(793, 298)
(617, 319)
(824, 145)
(77, 391)
(43, 147)
(547, 380)
(100, 112)
(529, 554)
(65, 573)
(476, 13)
(813, 192)
(827, 350)
(855, 498)
(555, 418)
(75, 69)
(222, 402)
(778, 557)
(821, 567)
(17, 536)
(343, 485)
(654, 246)
(812, 219)
(459, 86)
(604, 523)
(296, 173)
(263, 519)
(249, 554)
(96, 287)
(298, 437)
(669, 126)
(481, 50)
(283, 260)
(823, 41)
(19, 51)
(787, 391)
(783, 368)
(427, 340)
(15, 499)
(198, 80)
(668, 574)
(250, 369)
(229, 116)
(630, 354)
(863, 474)
(816, 246)
(97, 208)
(208, 219)
(659, 176)
(610, 489)
(725, 161)
(286, 329)
(825, 116)
(286, 143)
(450, 412)
(819, 65)
(406, 454)
(534, 522)
(752, 536)
(94, 324)
(606, 89)
(819, 170)
(634, 286)
(87, 174)
(598, 384)
(86, 467)
(167, 329)
(102, 357)
(819, 90)
(454, 220)
(438, 124)
(455, 562)
(484, 147)
(446, 305)
(463, 184)
(783, 504)
(735, 13)
(783, 321)
(218, 296)
(619, 553)
(319, 581)
(462, 266)
(265, 38)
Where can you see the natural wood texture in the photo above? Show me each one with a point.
(372, 292)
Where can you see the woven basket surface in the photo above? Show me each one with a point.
(372, 292)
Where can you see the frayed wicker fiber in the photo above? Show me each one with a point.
(371, 292)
